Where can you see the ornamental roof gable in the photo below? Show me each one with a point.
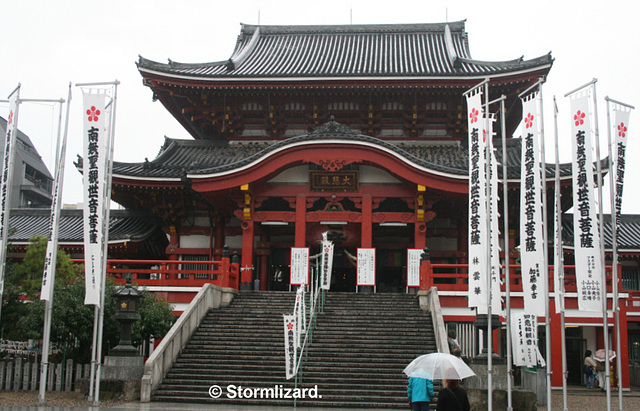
(179, 158)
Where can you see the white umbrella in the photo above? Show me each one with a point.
(440, 366)
(599, 355)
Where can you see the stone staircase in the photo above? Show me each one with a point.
(360, 347)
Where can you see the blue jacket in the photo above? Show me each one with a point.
(420, 389)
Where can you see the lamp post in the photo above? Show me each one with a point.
(127, 304)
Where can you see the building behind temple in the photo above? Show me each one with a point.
(32, 181)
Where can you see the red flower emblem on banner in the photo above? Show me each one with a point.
(622, 130)
(579, 118)
(528, 121)
(93, 113)
(290, 326)
(473, 115)
(10, 120)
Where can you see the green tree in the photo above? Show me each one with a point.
(27, 275)
(156, 318)
(72, 320)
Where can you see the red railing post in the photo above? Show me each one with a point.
(235, 271)
(225, 268)
(426, 272)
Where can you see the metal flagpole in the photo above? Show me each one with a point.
(94, 351)
(107, 206)
(7, 177)
(605, 314)
(545, 266)
(614, 243)
(614, 253)
(487, 164)
(61, 150)
(505, 208)
(558, 259)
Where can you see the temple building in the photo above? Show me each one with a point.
(355, 132)
(358, 131)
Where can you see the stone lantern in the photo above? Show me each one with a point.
(127, 304)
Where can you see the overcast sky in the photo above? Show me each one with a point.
(47, 44)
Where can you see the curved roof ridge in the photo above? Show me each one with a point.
(352, 28)
(241, 54)
(330, 130)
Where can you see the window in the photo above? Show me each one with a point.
(194, 267)
(630, 279)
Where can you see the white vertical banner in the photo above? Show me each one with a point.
(327, 264)
(7, 180)
(289, 345)
(620, 131)
(494, 214)
(478, 293)
(524, 338)
(299, 314)
(413, 267)
(299, 266)
(366, 275)
(48, 276)
(585, 222)
(532, 235)
(94, 175)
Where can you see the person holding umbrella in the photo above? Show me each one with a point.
(453, 397)
(420, 391)
(447, 367)
(589, 369)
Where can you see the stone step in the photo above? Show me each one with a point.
(361, 344)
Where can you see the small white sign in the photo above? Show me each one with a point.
(366, 267)
(299, 266)
(413, 267)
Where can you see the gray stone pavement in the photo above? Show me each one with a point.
(578, 398)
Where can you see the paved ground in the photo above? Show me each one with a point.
(578, 398)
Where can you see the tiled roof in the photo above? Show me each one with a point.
(628, 232)
(382, 50)
(30, 222)
(181, 157)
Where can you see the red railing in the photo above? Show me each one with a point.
(633, 302)
(175, 273)
(454, 277)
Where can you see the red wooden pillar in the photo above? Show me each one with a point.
(246, 265)
(264, 272)
(301, 220)
(366, 228)
(420, 235)
(174, 243)
(555, 331)
(219, 236)
(463, 243)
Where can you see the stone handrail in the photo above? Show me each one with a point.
(210, 296)
(429, 301)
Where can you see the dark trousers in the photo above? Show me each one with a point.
(420, 406)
